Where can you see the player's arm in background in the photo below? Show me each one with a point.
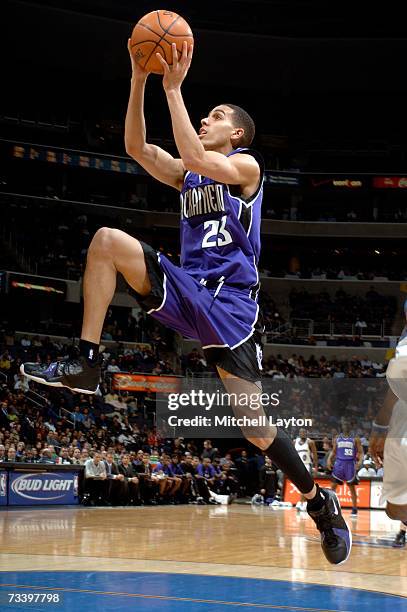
(314, 452)
(331, 457)
(380, 428)
(359, 454)
(235, 170)
(157, 162)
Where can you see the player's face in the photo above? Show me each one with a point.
(217, 128)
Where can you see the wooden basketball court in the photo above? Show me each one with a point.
(197, 557)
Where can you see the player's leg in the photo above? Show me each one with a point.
(354, 496)
(397, 512)
(111, 251)
(323, 505)
(400, 539)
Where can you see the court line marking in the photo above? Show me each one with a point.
(169, 598)
(302, 582)
(152, 559)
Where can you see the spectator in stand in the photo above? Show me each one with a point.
(11, 455)
(5, 362)
(201, 482)
(64, 458)
(95, 481)
(132, 490)
(116, 488)
(208, 451)
(149, 482)
(173, 482)
(226, 459)
(30, 455)
(367, 471)
(138, 460)
(360, 326)
(227, 482)
(179, 473)
(327, 448)
(268, 481)
(206, 470)
(46, 456)
(76, 456)
(20, 451)
(84, 456)
(113, 367)
(3, 456)
(78, 417)
(244, 472)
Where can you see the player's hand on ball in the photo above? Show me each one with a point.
(176, 73)
(137, 70)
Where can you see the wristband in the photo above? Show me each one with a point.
(376, 428)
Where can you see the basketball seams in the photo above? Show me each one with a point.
(161, 37)
(154, 42)
(147, 27)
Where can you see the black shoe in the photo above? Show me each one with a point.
(336, 537)
(400, 540)
(75, 374)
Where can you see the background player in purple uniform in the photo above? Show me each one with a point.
(213, 295)
(346, 458)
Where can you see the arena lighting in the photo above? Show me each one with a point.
(377, 251)
(46, 288)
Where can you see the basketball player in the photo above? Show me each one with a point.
(388, 439)
(346, 457)
(307, 451)
(212, 296)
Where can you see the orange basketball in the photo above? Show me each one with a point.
(154, 33)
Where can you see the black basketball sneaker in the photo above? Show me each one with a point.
(75, 374)
(336, 537)
(400, 540)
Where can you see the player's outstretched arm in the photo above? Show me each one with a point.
(157, 162)
(235, 170)
(380, 428)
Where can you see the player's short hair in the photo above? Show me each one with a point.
(242, 119)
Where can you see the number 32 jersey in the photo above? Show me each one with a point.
(220, 231)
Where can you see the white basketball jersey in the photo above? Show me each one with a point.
(303, 450)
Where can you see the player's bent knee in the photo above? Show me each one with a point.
(396, 511)
(103, 240)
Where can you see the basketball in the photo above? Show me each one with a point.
(155, 33)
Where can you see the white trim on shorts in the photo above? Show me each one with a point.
(164, 289)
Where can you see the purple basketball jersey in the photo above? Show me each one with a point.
(345, 448)
(345, 463)
(220, 232)
(212, 296)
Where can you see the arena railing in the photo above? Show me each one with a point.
(305, 328)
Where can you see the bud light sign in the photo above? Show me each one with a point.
(43, 488)
(3, 488)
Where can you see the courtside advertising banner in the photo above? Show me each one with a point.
(43, 488)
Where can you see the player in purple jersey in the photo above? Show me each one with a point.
(346, 458)
(213, 295)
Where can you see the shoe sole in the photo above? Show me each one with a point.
(349, 531)
(42, 381)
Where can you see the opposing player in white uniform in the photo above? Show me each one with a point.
(307, 450)
(388, 440)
